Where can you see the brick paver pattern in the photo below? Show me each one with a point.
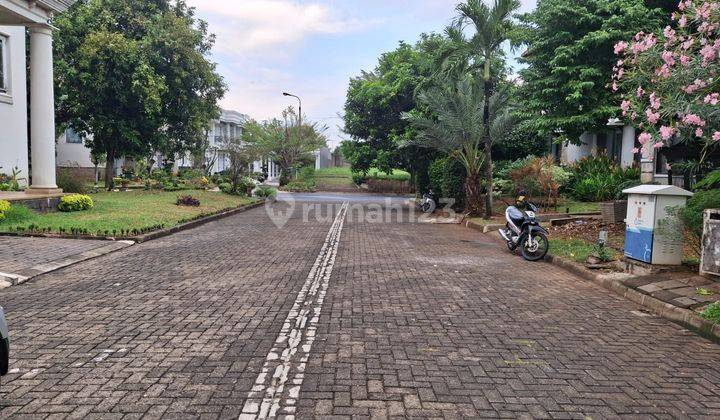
(20, 253)
(419, 320)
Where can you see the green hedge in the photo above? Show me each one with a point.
(447, 179)
(75, 202)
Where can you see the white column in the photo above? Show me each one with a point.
(42, 110)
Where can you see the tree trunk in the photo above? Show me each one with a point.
(488, 145)
(473, 194)
(110, 170)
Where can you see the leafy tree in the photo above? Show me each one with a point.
(457, 128)
(134, 77)
(375, 102)
(285, 141)
(570, 58)
(491, 28)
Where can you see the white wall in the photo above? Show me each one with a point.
(572, 153)
(73, 154)
(13, 106)
(627, 159)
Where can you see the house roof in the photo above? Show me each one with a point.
(56, 5)
(650, 189)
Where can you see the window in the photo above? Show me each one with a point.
(72, 137)
(4, 65)
(610, 143)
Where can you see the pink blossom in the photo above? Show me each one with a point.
(694, 120)
(703, 12)
(635, 150)
(654, 101)
(698, 132)
(633, 116)
(620, 74)
(663, 71)
(644, 138)
(684, 4)
(687, 44)
(620, 47)
(657, 145)
(653, 117)
(712, 99)
(640, 92)
(666, 132)
(667, 56)
(669, 33)
(625, 106)
(708, 53)
(683, 21)
(716, 136)
(615, 87)
(684, 60)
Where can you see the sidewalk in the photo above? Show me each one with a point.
(22, 258)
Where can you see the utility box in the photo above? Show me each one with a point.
(710, 262)
(652, 235)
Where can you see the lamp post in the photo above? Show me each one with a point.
(299, 106)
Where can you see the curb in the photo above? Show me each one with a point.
(14, 279)
(684, 317)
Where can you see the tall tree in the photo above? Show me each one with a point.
(285, 141)
(134, 77)
(570, 58)
(458, 127)
(491, 27)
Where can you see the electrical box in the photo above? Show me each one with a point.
(652, 235)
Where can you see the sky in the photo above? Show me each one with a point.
(310, 48)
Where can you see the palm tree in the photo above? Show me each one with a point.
(492, 26)
(455, 126)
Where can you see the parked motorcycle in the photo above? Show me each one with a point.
(524, 230)
(429, 202)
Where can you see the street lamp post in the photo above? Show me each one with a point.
(299, 107)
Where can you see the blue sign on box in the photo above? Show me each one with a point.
(639, 244)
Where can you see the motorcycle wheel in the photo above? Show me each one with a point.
(538, 249)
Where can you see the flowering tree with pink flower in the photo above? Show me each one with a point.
(669, 81)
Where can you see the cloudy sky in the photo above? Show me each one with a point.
(310, 48)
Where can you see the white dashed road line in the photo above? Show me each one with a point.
(277, 386)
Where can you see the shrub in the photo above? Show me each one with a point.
(265, 191)
(711, 180)
(226, 187)
(712, 312)
(75, 202)
(4, 207)
(540, 177)
(691, 215)
(358, 178)
(306, 174)
(599, 178)
(187, 200)
(453, 182)
(69, 183)
(435, 173)
(299, 186)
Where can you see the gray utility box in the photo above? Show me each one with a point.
(710, 262)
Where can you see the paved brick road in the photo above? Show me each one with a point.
(419, 320)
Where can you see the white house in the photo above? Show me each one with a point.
(17, 16)
(618, 142)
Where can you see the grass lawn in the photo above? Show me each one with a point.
(397, 174)
(575, 249)
(124, 210)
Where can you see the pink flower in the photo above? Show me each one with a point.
(635, 150)
(644, 138)
(633, 116)
(654, 101)
(653, 117)
(708, 53)
(683, 21)
(657, 145)
(669, 33)
(684, 60)
(625, 106)
(693, 120)
(667, 56)
(716, 136)
(620, 47)
(712, 99)
(666, 132)
(663, 71)
(698, 132)
(687, 44)
(640, 92)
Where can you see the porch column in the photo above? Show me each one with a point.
(42, 111)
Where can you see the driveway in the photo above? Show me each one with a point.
(341, 314)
